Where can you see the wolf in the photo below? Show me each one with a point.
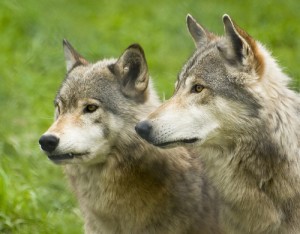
(124, 184)
(233, 105)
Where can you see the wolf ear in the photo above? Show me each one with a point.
(199, 34)
(72, 57)
(240, 46)
(132, 71)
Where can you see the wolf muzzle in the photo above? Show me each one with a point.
(48, 143)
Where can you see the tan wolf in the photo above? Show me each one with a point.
(123, 184)
(233, 105)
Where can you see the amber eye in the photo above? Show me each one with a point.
(197, 88)
(90, 108)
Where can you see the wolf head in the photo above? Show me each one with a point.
(96, 105)
(219, 91)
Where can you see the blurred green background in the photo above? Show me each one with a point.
(34, 195)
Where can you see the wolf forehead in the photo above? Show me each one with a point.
(209, 68)
(205, 64)
(94, 81)
(208, 64)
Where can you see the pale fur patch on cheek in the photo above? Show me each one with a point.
(230, 113)
(203, 120)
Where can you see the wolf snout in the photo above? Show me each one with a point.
(144, 129)
(49, 142)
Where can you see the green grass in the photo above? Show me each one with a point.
(34, 196)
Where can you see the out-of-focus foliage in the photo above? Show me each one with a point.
(33, 196)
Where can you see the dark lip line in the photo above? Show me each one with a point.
(67, 156)
(185, 141)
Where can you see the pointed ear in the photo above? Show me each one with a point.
(199, 34)
(132, 72)
(240, 46)
(72, 57)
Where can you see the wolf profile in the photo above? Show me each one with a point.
(122, 183)
(232, 103)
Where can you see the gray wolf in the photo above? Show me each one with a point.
(232, 103)
(123, 184)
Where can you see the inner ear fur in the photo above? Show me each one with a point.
(72, 57)
(132, 72)
(242, 47)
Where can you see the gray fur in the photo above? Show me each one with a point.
(128, 185)
(217, 77)
(197, 32)
(244, 124)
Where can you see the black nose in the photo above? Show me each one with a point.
(144, 129)
(48, 142)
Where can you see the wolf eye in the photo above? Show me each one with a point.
(197, 88)
(90, 108)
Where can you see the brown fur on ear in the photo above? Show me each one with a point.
(238, 35)
(259, 61)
